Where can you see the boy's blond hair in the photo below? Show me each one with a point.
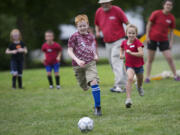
(13, 31)
(80, 18)
(132, 26)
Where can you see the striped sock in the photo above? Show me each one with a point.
(96, 95)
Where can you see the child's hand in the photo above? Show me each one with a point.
(80, 63)
(14, 51)
(96, 58)
(128, 51)
(121, 57)
(20, 50)
(58, 59)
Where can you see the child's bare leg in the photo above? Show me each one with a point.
(130, 74)
(139, 80)
(139, 84)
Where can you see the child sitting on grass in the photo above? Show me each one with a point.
(133, 50)
(81, 48)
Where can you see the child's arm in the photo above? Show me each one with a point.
(121, 53)
(140, 52)
(59, 56)
(22, 50)
(96, 57)
(71, 54)
(10, 51)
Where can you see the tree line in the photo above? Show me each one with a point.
(34, 17)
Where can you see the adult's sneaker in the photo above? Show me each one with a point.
(177, 78)
(147, 80)
(117, 89)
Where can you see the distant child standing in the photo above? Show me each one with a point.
(133, 50)
(17, 50)
(82, 50)
(52, 51)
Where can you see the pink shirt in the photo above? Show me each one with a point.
(51, 53)
(160, 25)
(84, 47)
(111, 23)
(132, 61)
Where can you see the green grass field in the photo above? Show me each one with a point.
(37, 110)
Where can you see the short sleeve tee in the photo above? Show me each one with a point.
(51, 53)
(15, 46)
(111, 23)
(160, 25)
(132, 61)
(84, 47)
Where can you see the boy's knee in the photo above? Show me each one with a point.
(56, 73)
(49, 73)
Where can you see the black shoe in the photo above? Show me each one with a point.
(97, 111)
(21, 88)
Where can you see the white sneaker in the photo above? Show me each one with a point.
(118, 89)
(128, 103)
(51, 86)
(58, 86)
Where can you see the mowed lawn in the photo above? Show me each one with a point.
(37, 110)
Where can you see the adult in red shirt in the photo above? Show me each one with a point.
(160, 24)
(52, 51)
(110, 19)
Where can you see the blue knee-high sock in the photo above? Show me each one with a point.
(96, 95)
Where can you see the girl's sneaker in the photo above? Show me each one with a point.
(51, 86)
(58, 87)
(128, 103)
(141, 91)
(177, 78)
(147, 80)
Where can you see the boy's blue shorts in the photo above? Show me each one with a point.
(54, 66)
(137, 70)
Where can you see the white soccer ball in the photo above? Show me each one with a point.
(85, 124)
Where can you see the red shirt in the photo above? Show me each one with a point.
(132, 61)
(84, 47)
(51, 53)
(160, 25)
(111, 23)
